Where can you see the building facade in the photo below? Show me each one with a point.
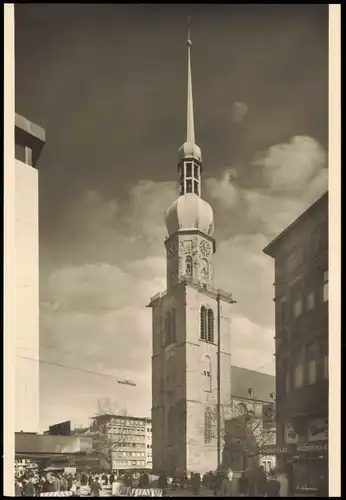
(29, 141)
(250, 431)
(191, 359)
(301, 339)
(125, 440)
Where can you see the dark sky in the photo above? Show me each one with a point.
(108, 84)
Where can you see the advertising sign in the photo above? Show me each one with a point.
(318, 429)
(291, 437)
(127, 491)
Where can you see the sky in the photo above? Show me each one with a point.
(108, 84)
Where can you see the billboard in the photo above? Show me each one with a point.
(318, 429)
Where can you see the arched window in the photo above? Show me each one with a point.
(210, 336)
(188, 266)
(207, 373)
(207, 426)
(203, 323)
(171, 425)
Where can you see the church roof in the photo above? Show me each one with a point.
(242, 379)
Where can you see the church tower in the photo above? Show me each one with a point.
(191, 361)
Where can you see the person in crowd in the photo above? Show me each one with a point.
(196, 483)
(273, 485)
(29, 488)
(224, 489)
(162, 483)
(283, 480)
(144, 480)
(323, 489)
(243, 484)
(96, 487)
(18, 487)
(261, 482)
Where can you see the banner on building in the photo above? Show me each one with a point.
(318, 429)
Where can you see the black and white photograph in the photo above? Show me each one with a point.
(170, 250)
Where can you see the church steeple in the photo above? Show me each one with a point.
(189, 156)
(190, 128)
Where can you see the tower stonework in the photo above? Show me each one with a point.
(191, 361)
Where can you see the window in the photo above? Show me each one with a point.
(189, 186)
(196, 187)
(207, 373)
(298, 308)
(310, 301)
(299, 371)
(287, 380)
(195, 171)
(312, 364)
(210, 337)
(207, 426)
(188, 169)
(203, 325)
(325, 286)
(171, 425)
(188, 266)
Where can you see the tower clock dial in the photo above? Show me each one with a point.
(205, 248)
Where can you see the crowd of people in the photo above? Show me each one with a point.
(32, 483)
(253, 483)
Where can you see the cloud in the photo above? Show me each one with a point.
(239, 111)
(93, 314)
(293, 165)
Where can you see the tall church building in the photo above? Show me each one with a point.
(191, 361)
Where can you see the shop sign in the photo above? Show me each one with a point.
(275, 450)
(312, 447)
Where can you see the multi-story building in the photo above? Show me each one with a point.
(251, 426)
(191, 360)
(29, 141)
(301, 340)
(125, 440)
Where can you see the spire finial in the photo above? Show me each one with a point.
(190, 130)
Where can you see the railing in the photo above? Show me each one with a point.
(200, 285)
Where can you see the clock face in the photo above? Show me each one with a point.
(205, 248)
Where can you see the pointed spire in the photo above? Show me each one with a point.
(190, 129)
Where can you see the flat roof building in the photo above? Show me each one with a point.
(29, 141)
(300, 254)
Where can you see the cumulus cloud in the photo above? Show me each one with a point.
(93, 313)
(293, 165)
